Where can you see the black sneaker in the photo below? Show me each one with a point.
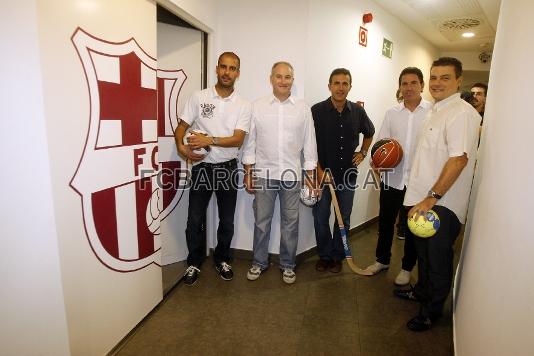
(408, 294)
(401, 234)
(191, 275)
(225, 271)
(419, 323)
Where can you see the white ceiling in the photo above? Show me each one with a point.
(442, 22)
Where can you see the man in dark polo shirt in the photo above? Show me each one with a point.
(338, 125)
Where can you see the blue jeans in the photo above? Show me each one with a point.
(264, 199)
(328, 248)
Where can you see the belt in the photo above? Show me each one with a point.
(228, 164)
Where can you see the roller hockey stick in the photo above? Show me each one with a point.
(343, 231)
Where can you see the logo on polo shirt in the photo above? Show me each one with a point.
(207, 110)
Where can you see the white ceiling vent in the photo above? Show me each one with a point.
(442, 22)
(459, 24)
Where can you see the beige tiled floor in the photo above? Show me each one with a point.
(321, 314)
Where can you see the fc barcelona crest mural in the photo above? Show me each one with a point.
(126, 181)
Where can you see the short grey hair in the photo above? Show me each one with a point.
(282, 62)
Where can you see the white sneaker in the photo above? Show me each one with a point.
(253, 273)
(289, 276)
(376, 267)
(403, 278)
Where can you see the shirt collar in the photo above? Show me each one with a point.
(332, 107)
(274, 99)
(215, 95)
(424, 104)
(445, 102)
(400, 106)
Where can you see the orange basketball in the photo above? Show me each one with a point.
(386, 153)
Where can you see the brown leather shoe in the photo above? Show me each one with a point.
(335, 266)
(322, 265)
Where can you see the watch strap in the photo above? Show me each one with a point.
(433, 194)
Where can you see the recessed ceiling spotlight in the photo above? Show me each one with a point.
(468, 34)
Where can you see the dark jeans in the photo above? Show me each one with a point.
(328, 248)
(435, 261)
(206, 178)
(390, 204)
(402, 225)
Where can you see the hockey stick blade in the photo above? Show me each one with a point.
(343, 231)
(348, 255)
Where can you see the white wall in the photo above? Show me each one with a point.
(31, 297)
(494, 312)
(470, 60)
(200, 13)
(316, 37)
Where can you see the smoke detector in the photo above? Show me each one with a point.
(484, 57)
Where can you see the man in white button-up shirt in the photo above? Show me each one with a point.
(402, 122)
(440, 179)
(281, 130)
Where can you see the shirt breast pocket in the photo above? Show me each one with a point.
(293, 131)
(432, 137)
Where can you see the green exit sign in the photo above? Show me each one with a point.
(387, 48)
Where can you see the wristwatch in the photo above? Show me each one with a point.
(433, 194)
(363, 152)
(215, 140)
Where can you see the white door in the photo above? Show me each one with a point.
(180, 56)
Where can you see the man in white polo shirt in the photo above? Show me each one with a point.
(281, 130)
(225, 117)
(402, 123)
(441, 177)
